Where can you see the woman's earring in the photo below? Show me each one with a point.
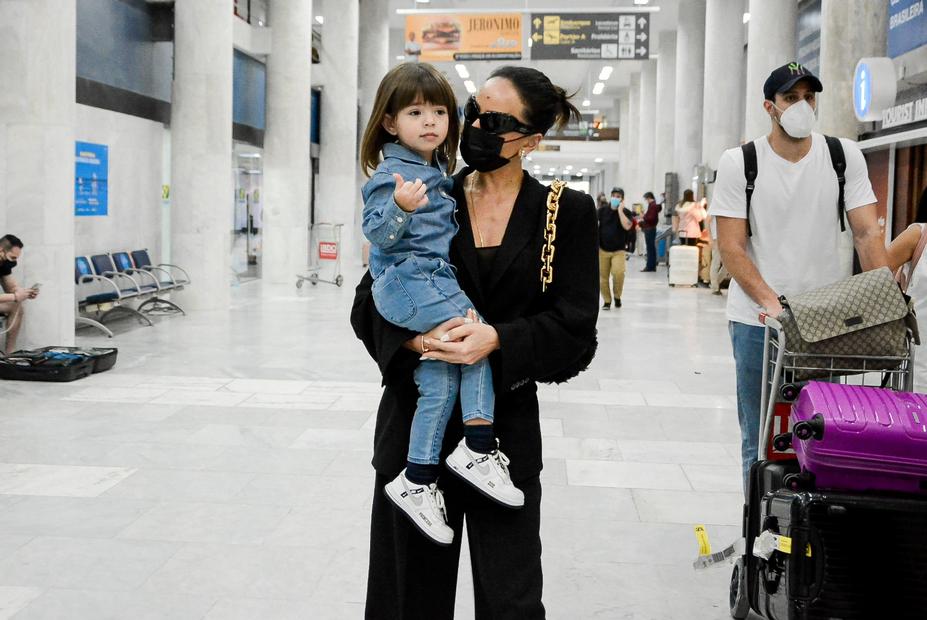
(522, 153)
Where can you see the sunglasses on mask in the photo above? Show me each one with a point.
(494, 122)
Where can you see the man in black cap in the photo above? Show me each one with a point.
(787, 233)
(614, 224)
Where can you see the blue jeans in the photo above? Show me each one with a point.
(650, 240)
(420, 294)
(747, 342)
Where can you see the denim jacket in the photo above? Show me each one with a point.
(395, 234)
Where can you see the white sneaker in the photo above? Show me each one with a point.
(423, 505)
(487, 473)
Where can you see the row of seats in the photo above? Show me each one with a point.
(108, 285)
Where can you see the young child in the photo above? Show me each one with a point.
(409, 221)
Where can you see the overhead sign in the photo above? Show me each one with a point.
(91, 177)
(464, 36)
(590, 36)
(907, 26)
(874, 87)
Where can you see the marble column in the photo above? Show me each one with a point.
(201, 150)
(770, 43)
(37, 113)
(648, 125)
(690, 71)
(849, 31)
(620, 169)
(338, 199)
(666, 110)
(373, 54)
(286, 141)
(632, 189)
(724, 59)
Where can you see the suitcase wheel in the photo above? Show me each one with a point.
(810, 429)
(740, 605)
(799, 482)
(782, 442)
(789, 392)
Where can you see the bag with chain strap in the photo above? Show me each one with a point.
(863, 315)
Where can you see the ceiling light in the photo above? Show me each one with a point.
(584, 170)
(422, 1)
(400, 57)
(598, 88)
(746, 17)
(249, 155)
(320, 19)
(462, 71)
(569, 167)
(598, 160)
(586, 103)
(578, 174)
(606, 72)
(470, 86)
(641, 2)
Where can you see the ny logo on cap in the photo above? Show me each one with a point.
(796, 69)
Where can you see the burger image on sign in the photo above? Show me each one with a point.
(442, 35)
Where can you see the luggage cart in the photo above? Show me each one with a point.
(779, 389)
(324, 247)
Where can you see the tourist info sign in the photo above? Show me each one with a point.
(590, 36)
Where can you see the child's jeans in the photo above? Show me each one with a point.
(420, 294)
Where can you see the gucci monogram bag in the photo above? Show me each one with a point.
(864, 315)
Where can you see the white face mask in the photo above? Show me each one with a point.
(798, 119)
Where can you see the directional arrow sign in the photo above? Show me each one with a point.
(642, 51)
(590, 36)
(642, 22)
(537, 36)
(537, 22)
(642, 37)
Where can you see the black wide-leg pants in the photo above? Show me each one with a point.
(412, 578)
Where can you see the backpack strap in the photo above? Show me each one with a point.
(750, 172)
(839, 163)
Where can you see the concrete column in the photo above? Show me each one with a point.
(849, 31)
(632, 189)
(37, 111)
(373, 54)
(648, 125)
(770, 44)
(286, 141)
(338, 199)
(620, 168)
(724, 57)
(690, 71)
(666, 109)
(201, 150)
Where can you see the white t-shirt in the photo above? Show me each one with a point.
(796, 244)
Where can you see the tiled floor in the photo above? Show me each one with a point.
(221, 470)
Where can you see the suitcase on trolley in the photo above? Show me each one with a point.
(683, 265)
(857, 438)
(841, 556)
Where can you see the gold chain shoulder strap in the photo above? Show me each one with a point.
(550, 234)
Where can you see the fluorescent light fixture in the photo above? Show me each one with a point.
(606, 72)
(598, 88)
(320, 19)
(746, 17)
(586, 103)
(470, 86)
(569, 167)
(462, 71)
(641, 2)
(422, 1)
(578, 174)
(249, 155)
(598, 160)
(584, 170)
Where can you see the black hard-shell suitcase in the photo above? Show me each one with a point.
(844, 557)
(56, 364)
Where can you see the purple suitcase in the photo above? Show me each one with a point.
(856, 438)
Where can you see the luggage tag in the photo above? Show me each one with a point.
(707, 559)
(767, 542)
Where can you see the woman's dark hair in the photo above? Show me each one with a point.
(404, 85)
(688, 196)
(649, 196)
(546, 105)
(920, 215)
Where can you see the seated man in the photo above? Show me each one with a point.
(13, 295)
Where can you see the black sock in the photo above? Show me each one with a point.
(422, 474)
(480, 437)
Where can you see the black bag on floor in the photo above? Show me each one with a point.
(59, 364)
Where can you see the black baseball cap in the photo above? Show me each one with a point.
(786, 76)
(617, 190)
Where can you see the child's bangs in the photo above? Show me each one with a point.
(423, 88)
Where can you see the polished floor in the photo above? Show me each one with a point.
(221, 470)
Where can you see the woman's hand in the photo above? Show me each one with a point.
(465, 344)
(435, 335)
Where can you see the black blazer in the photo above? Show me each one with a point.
(541, 334)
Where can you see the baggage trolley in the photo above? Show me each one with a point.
(779, 390)
(324, 247)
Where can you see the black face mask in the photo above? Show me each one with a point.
(11, 263)
(482, 150)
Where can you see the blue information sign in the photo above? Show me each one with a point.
(91, 176)
(862, 90)
(907, 26)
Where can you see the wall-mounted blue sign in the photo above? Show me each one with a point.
(91, 178)
(907, 26)
(862, 90)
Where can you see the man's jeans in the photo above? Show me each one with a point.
(650, 239)
(420, 294)
(747, 342)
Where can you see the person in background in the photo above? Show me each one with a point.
(413, 49)
(13, 296)
(690, 215)
(614, 226)
(649, 226)
(717, 272)
(601, 200)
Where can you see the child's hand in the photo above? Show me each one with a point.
(408, 195)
